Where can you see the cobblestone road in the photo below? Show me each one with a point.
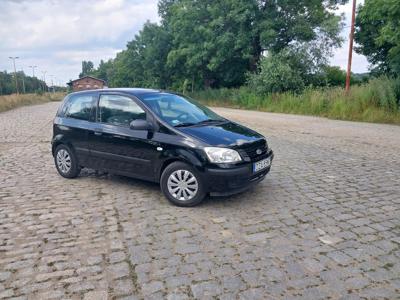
(324, 224)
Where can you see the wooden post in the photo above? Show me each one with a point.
(353, 17)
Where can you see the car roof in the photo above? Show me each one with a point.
(132, 91)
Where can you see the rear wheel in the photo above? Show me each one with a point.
(182, 184)
(66, 162)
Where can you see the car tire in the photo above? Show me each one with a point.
(66, 162)
(182, 185)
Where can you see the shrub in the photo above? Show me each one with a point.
(276, 74)
(334, 76)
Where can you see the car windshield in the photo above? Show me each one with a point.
(179, 111)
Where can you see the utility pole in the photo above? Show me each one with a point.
(52, 84)
(15, 72)
(33, 75)
(44, 81)
(23, 81)
(33, 70)
(353, 17)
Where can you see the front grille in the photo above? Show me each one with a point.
(249, 150)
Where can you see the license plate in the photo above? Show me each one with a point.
(261, 165)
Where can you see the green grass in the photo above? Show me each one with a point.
(8, 102)
(375, 101)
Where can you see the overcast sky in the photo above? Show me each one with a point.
(56, 35)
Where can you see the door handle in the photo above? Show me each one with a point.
(98, 131)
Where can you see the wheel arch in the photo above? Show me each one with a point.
(57, 141)
(166, 163)
(183, 156)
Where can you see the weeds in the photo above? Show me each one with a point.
(376, 101)
(12, 101)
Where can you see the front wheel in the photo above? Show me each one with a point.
(182, 184)
(66, 162)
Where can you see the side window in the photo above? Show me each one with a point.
(79, 107)
(119, 110)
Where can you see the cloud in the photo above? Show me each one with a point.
(92, 54)
(41, 24)
(58, 33)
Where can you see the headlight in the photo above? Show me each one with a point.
(222, 155)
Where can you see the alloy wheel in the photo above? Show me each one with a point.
(63, 161)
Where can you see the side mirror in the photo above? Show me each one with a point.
(141, 125)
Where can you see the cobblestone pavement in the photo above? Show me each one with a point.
(324, 224)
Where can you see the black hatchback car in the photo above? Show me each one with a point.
(158, 136)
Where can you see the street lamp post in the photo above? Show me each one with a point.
(33, 70)
(44, 81)
(33, 75)
(15, 72)
(23, 81)
(52, 84)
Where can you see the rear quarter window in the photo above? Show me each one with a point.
(62, 108)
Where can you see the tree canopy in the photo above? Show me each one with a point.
(87, 68)
(211, 43)
(378, 34)
(31, 84)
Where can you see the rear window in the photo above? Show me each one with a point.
(79, 107)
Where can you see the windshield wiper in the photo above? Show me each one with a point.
(185, 124)
(210, 121)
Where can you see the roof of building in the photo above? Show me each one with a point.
(87, 76)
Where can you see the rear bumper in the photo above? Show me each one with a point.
(225, 182)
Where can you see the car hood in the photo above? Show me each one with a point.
(222, 134)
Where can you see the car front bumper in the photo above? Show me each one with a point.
(225, 182)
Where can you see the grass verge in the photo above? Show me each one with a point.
(8, 102)
(374, 102)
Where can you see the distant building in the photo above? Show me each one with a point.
(87, 83)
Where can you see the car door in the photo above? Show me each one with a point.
(73, 124)
(117, 147)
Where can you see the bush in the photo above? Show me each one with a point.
(334, 76)
(276, 74)
(39, 92)
(381, 92)
(396, 87)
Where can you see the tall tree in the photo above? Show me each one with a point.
(220, 40)
(143, 63)
(284, 22)
(211, 39)
(378, 34)
(104, 71)
(212, 43)
(87, 68)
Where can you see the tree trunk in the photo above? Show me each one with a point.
(257, 51)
